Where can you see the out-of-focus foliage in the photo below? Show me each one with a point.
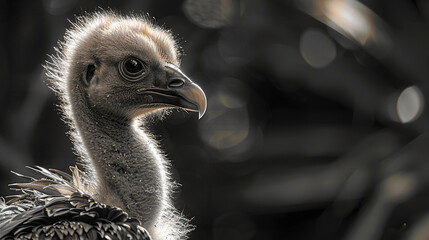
(317, 119)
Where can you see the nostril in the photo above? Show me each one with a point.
(175, 83)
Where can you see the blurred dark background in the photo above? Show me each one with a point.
(316, 125)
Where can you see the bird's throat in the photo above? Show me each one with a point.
(129, 171)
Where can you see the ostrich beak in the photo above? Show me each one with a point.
(178, 91)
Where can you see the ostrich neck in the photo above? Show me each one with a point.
(130, 172)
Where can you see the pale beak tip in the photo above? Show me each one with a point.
(200, 115)
(203, 108)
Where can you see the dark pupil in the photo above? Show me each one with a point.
(133, 66)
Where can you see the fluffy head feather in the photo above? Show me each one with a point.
(98, 34)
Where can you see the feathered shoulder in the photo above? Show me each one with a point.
(53, 207)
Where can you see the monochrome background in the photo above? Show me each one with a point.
(317, 122)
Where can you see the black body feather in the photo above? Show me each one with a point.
(53, 208)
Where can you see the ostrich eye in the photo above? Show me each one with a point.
(132, 69)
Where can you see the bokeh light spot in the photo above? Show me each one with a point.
(409, 104)
(226, 125)
(350, 18)
(317, 49)
(209, 13)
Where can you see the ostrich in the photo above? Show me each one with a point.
(113, 74)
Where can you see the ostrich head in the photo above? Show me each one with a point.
(123, 67)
